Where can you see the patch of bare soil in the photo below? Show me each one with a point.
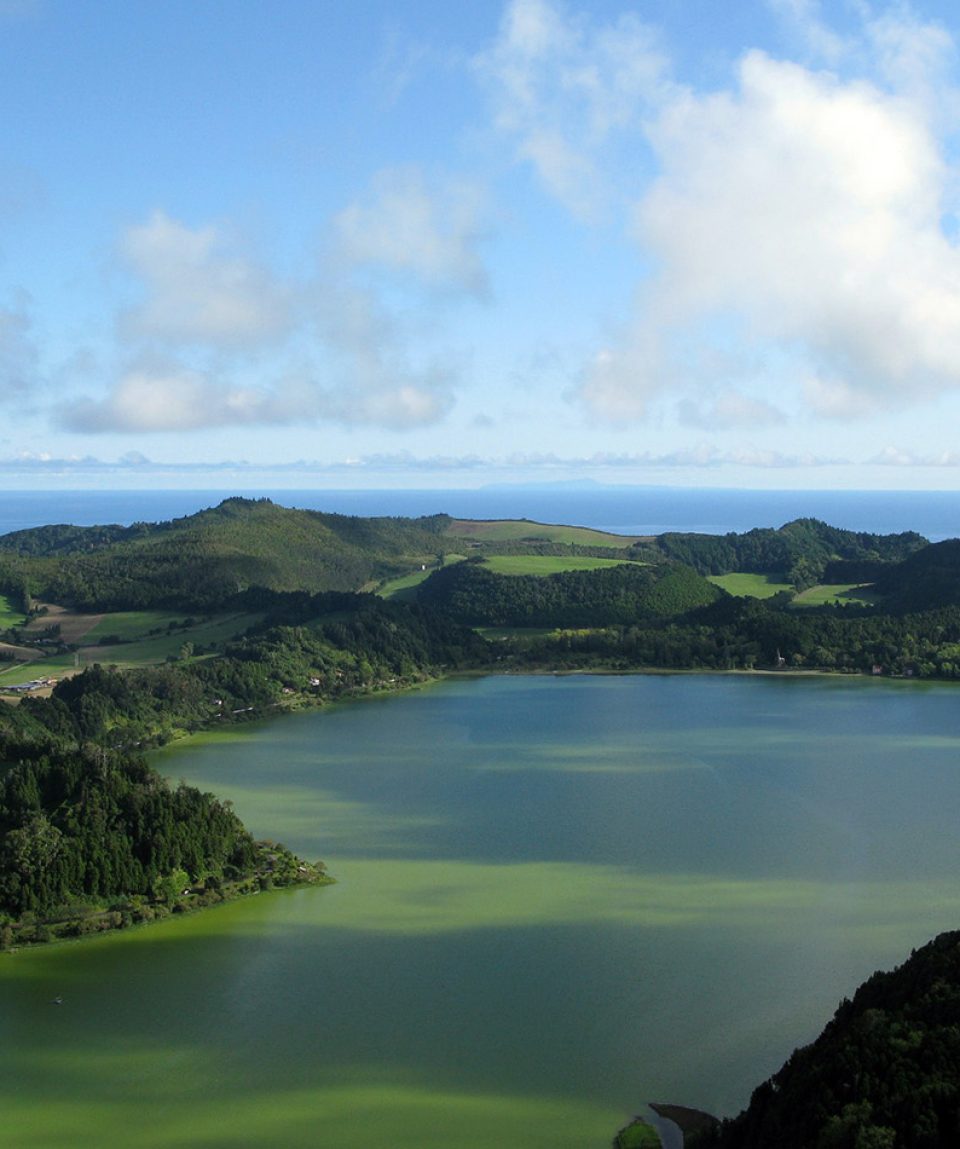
(73, 625)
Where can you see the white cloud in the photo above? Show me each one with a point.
(807, 209)
(429, 233)
(563, 90)
(199, 290)
(157, 395)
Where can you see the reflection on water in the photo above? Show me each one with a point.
(557, 898)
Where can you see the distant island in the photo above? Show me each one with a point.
(116, 639)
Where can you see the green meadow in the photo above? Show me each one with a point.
(520, 530)
(835, 593)
(9, 614)
(744, 585)
(547, 564)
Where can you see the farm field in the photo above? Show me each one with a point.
(404, 588)
(519, 530)
(548, 564)
(136, 648)
(743, 585)
(835, 593)
(9, 614)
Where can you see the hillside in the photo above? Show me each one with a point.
(204, 560)
(801, 550)
(884, 1074)
(619, 595)
(926, 580)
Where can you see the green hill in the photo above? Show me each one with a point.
(927, 580)
(618, 595)
(801, 550)
(204, 560)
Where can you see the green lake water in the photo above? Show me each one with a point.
(557, 899)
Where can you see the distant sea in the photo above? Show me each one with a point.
(623, 510)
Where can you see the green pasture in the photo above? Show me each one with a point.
(836, 593)
(130, 625)
(520, 530)
(744, 584)
(143, 649)
(9, 615)
(54, 666)
(547, 564)
(404, 588)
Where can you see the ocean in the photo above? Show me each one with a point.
(623, 510)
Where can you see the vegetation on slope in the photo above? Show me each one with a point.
(623, 594)
(93, 839)
(884, 1074)
(204, 561)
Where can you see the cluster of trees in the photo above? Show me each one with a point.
(100, 825)
(325, 645)
(471, 593)
(884, 1074)
(741, 634)
(801, 548)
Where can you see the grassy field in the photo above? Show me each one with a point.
(129, 625)
(519, 530)
(405, 587)
(9, 615)
(137, 648)
(744, 584)
(546, 564)
(835, 593)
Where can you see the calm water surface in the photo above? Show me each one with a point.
(558, 898)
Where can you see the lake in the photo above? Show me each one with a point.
(558, 898)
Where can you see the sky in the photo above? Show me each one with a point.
(409, 243)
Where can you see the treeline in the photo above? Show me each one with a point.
(471, 593)
(322, 646)
(743, 634)
(101, 825)
(801, 550)
(884, 1074)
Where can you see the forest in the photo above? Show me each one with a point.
(884, 1074)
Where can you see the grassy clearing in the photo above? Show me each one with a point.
(404, 588)
(149, 650)
(547, 564)
(520, 530)
(129, 625)
(743, 584)
(9, 615)
(836, 593)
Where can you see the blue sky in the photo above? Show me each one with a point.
(418, 244)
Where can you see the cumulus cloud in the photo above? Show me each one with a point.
(800, 207)
(199, 289)
(809, 209)
(427, 233)
(563, 90)
(159, 395)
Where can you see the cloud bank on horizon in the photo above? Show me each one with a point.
(576, 238)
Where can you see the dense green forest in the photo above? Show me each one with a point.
(617, 595)
(884, 1074)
